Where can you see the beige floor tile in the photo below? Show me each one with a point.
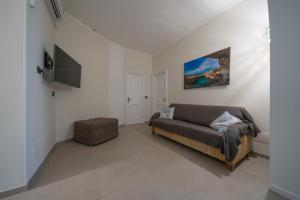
(65, 166)
(83, 186)
(270, 195)
(70, 147)
(139, 165)
(133, 189)
(183, 182)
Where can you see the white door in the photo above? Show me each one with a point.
(160, 92)
(134, 99)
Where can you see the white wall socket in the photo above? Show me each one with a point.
(33, 3)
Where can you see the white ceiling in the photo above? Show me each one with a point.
(146, 25)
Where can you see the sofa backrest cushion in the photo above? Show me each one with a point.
(203, 114)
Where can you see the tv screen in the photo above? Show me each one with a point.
(66, 69)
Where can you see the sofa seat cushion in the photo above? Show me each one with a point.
(200, 133)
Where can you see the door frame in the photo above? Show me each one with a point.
(142, 95)
(164, 71)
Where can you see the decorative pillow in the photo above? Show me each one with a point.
(167, 113)
(224, 121)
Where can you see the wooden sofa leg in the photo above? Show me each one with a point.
(230, 166)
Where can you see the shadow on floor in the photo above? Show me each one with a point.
(202, 160)
(69, 158)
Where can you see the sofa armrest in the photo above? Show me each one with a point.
(154, 116)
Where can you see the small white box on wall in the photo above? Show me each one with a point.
(33, 3)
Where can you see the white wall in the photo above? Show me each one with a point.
(116, 86)
(40, 103)
(140, 63)
(240, 28)
(13, 94)
(91, 51)
(104, 65)
(285, 97)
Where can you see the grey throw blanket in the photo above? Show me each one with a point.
(232, 137)
(154, 116)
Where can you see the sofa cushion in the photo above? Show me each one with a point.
(202, 114)
(167, 113)
(223, 122)
(197, 132)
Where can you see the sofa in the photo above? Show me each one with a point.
(190, 126)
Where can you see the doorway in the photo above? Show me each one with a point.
(159, 85)
(134, 93)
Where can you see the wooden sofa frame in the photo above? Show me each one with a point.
(244, 148)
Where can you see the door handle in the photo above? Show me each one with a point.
(164, 99)
(128, 99)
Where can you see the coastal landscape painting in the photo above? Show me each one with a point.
(208, 71)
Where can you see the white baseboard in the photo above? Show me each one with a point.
(261, 148)
(14, 191)
(284, 192)
(261, 144)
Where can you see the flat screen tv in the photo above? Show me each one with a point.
(66, 69)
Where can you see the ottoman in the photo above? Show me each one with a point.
(95, 131)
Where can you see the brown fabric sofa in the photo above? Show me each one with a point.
(190, 126)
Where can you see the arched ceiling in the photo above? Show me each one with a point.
(148, 26)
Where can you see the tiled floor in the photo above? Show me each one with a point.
(139, 166)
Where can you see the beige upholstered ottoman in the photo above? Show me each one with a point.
(95, 131)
